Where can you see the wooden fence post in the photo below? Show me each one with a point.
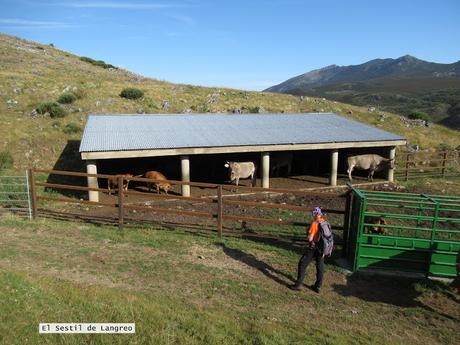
(443, 170)
(120, 201)
(407, 166)
(220, 209)
(33, 192)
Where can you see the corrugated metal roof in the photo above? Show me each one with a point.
(155, 131)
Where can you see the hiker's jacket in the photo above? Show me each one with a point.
(313, 232)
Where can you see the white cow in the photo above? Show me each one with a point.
(241, 170)
(371, 162)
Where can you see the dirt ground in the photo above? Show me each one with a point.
(310, 185)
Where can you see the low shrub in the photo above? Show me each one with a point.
(67, 98)
(131, 93)
(98, 63)
(6, 160)
(419, 115)
(72, 128)
(53, 108)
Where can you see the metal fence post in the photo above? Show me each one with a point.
(346, 224)
(220, 209)
(33, 192)
(120, 201)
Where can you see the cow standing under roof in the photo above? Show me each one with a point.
(281, 161)
(239, 170)
(371, 162)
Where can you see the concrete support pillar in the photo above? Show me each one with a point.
(334, 164)
(185, 171)
(391, 172)
(91, 168)
(265, 169)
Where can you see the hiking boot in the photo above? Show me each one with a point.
(315, 288)
(294, 287)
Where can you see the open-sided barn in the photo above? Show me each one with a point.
(108, 137)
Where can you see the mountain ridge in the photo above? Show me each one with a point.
(403, 85)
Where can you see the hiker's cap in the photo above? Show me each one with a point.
(318, 211)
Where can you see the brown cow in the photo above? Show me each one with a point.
(158, 176)
(376, 222)
(112, 182)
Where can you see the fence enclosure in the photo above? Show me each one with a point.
(218, 208)
(420, 233)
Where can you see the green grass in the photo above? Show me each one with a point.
(182, 288)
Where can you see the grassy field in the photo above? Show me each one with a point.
(190, 288)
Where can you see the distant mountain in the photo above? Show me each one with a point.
(402, 85)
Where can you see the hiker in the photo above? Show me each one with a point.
(315, 250)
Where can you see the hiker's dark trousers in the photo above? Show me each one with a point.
(304, 261)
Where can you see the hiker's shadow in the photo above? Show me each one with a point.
(397, 291)
(250, 260)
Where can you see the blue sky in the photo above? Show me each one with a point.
(243, 44)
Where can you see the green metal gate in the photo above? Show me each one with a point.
(404, 232)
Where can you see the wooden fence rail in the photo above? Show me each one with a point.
(216, 204)
(428, 164)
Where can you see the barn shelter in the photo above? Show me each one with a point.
(184, 135)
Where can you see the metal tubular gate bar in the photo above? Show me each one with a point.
(10, 196)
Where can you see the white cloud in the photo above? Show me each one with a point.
(36, 24)
(184, 19)
(114, 5)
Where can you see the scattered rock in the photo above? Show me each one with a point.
(371, 109)
(200, 257)
(165, 105)
(349, 112)
(11, 103)
(34, 113)
(17, 91)
(98, 103)
(414, 122)
(212, 100)
(140, 111)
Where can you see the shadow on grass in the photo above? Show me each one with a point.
(397, 291)
(250, 260)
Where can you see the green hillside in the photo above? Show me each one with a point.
(33, 73)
